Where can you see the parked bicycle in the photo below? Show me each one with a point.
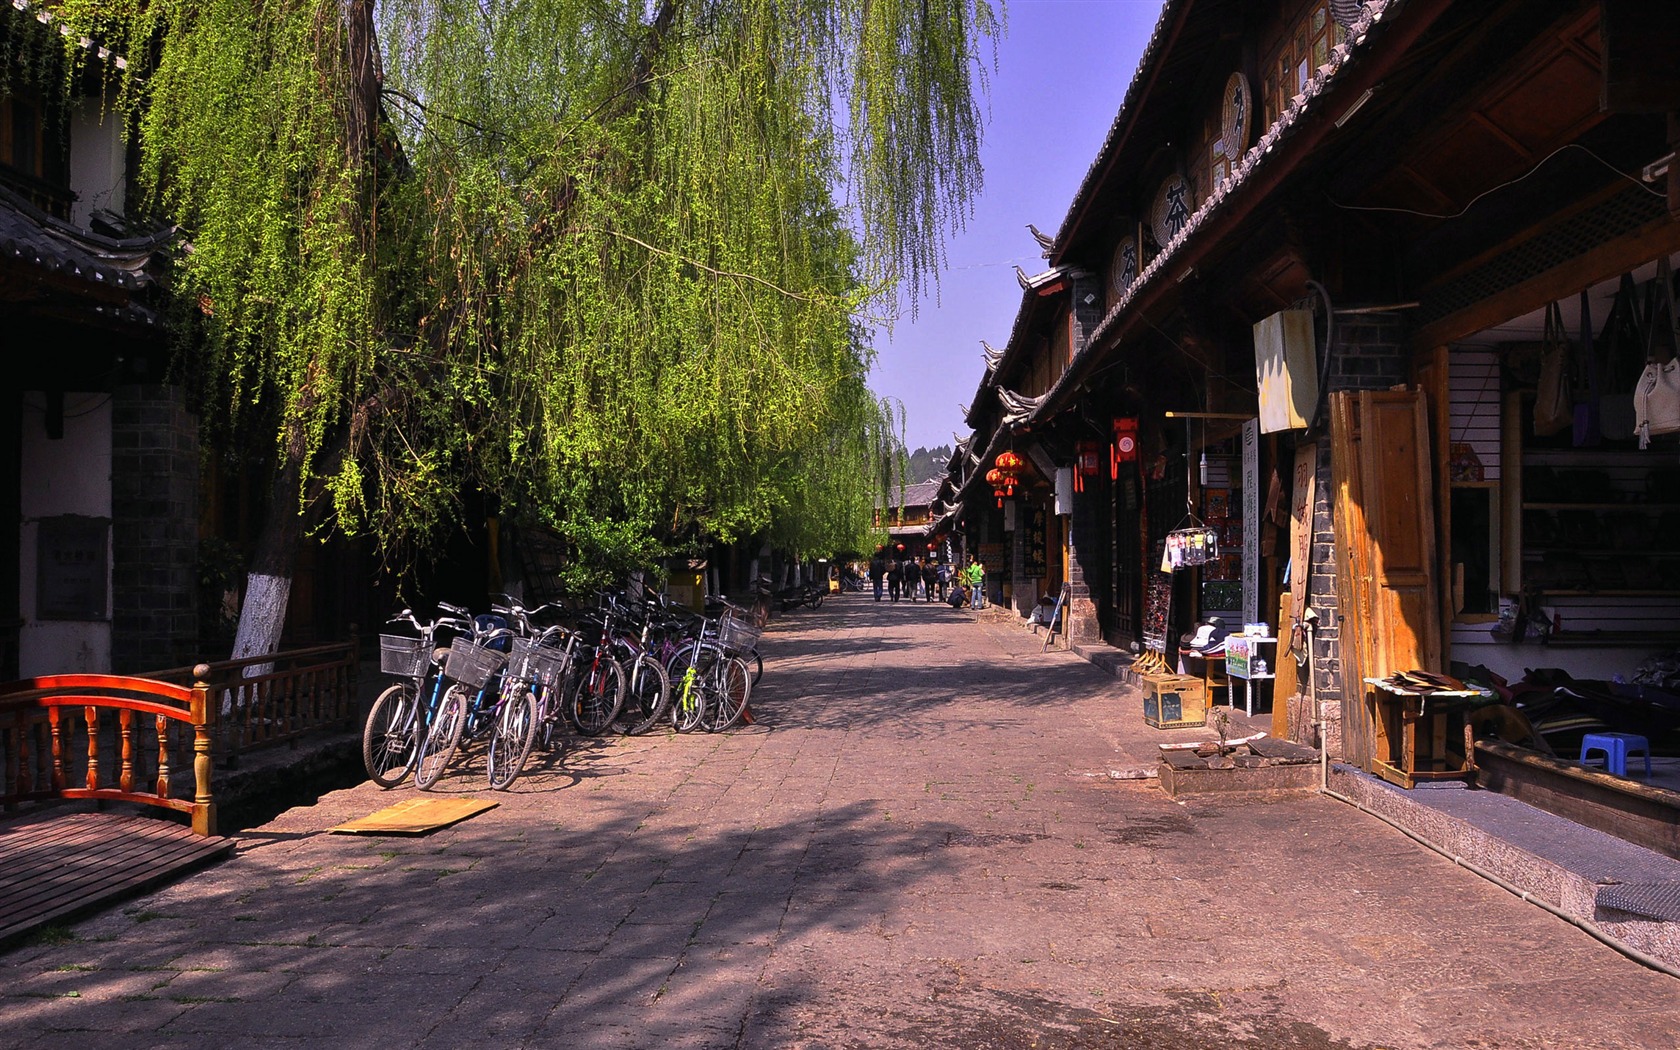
(402, 714)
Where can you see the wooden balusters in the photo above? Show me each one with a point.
(92, 716)
(125, 734)
(163, 757)
(60, 771)
(204, 806)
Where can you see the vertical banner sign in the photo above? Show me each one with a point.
(1300, 527)
(1251, 521)
(1037, 543)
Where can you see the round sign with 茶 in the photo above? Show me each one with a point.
(1123, 270)
(1171, 212)
(1236, 116)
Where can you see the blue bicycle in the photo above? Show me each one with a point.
(402, 715)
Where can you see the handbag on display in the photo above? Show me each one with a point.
(1656, 401)
(1623, 333)
(1553, 409)
(1656, 396)
(1585, 415)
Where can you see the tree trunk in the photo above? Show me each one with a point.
(269, 582)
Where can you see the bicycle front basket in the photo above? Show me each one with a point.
(532, 662)
(471, 664)
(736, 633)
(401, 655)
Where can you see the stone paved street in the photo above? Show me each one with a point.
(919, 845)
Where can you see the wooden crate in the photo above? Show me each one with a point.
(1174, 701)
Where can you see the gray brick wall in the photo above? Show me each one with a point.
(154, 513)
(1088, 551)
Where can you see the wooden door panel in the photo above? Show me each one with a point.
(1385, 548)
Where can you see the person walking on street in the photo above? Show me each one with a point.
(976, 583)
(878, 570)
(930, 579)
(895, 574)
(942, 577)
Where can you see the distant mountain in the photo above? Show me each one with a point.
(928, 464)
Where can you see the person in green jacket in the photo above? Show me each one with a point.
(976, 574)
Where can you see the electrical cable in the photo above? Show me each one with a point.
(1495, 189)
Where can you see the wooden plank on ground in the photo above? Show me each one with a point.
(63, 865)
(416, 816)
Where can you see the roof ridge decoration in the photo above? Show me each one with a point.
(1017, 407)
(993, 355)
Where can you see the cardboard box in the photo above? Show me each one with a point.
(1174, 701)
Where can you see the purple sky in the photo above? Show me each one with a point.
(1062, 69)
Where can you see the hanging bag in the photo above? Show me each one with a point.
(1553, 410)
(1623, 334)
(1585, 417)
(1656, 397)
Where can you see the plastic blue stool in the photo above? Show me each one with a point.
(1616, 747)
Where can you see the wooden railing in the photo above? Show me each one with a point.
(264, 701)
(58, 741)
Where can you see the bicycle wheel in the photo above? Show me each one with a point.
(647, 695)
(388, 737)
(442, 737)
(688, 702)
(596, 698)
(756, 662)
(511, 739)
(728, 687)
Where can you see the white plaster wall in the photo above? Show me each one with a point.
(97, 161)
(71, 475)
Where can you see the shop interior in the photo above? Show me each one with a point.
(1564, 533)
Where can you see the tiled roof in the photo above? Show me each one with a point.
(1261, 155)
(111, 271)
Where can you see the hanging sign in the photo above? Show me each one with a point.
(1251, 521)
(1125, 447)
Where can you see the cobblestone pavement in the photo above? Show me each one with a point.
(918, 845)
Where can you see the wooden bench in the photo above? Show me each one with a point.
(108, 740)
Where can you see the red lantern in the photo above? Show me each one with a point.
(1008, 461)
(1003, 484)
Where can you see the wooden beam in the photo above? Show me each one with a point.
(1607, 260)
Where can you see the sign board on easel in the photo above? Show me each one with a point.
(1055, 623)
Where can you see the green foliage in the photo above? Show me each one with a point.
(606, 262)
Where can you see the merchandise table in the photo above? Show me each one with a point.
(1401, 754)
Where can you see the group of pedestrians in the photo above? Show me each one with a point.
(896, 576)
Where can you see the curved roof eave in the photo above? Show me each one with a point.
(1264, 155)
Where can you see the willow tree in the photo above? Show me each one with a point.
(606, 259)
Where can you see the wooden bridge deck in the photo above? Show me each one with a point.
(56, 866)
